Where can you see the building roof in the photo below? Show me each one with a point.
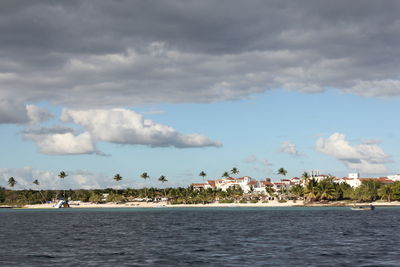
(211, 182)
(198, 185)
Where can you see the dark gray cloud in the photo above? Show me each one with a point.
(127, 53)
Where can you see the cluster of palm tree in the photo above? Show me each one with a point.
(309, 190)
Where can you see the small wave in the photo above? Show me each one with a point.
(41, 256)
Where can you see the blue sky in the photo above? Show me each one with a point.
(96, 88)
(251, 130)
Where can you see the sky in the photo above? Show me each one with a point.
(173, 88)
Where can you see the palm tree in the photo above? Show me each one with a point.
(282, 171)
(386, 191)
(270, 190)
(296, 191)
(305, 177)
(234, 171)
(311, 190)
(36, 182)
(62, 175)
(163, 179)
(145, 176)
(117, 178)
(225, 174)
(12, 182)
(326, 189)
(203, 174)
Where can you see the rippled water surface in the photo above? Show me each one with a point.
(200, 237)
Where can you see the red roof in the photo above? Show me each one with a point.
(251, 182)
(211, 182)
(230, 178)
(266, 182)
(198, 185)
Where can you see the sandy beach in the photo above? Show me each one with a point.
(212, 205)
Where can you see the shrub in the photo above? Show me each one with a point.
(226, 201)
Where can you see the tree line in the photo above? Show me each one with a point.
(312, 191)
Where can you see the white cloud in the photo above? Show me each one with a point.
(64, 143)
(289, 148)
(123, 126)
(366, 158)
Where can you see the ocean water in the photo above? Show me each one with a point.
(200, 237)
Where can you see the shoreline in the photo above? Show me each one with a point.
(214, 205)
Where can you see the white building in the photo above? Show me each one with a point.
(395, 177)
(354, 175)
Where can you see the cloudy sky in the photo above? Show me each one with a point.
(173, 88)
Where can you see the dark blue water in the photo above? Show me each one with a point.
(200, 237)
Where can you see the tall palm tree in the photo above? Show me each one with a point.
(225, 174)
(145, 176)
(62, 175)
(282, 171)
(305, 177)
(36, 182)
(12, 182)
(163, 179)
(117, 178)
(203, 174)
(234, 171)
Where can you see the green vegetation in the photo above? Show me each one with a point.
(313, 191)
(282, 171)
(234, 171)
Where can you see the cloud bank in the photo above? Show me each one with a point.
(366, 157)
(86, 54)
(118, 126)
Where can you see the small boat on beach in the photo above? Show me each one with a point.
(370, 207)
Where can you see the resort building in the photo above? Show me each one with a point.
(355, 182)
(248, 184)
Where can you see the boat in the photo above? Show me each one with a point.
(370, 207)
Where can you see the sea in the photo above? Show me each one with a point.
(312, 236)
